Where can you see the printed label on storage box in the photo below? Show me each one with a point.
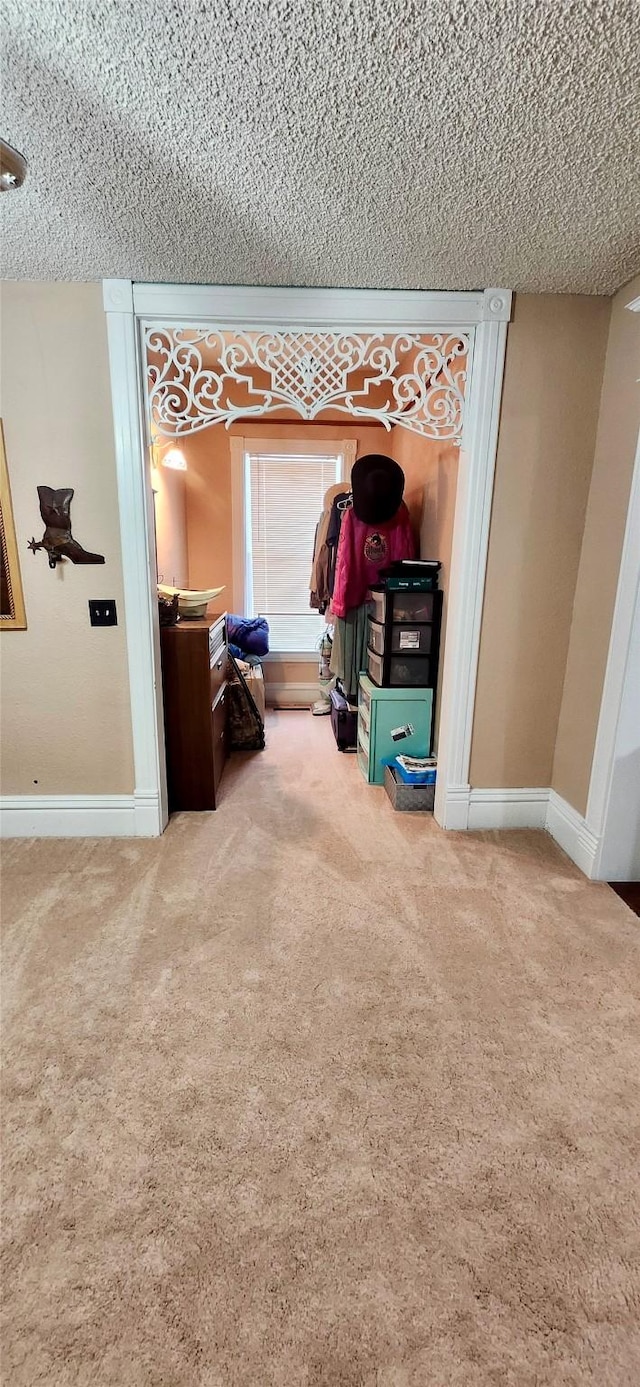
(399, 733)
(409, 640)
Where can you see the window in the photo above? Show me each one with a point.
(284, 484)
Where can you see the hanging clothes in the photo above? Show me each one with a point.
(339, 509)
(349, 649)
(363, 550)
(325, 547)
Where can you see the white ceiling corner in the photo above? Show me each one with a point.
(364, 143)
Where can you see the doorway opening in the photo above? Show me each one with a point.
(250, 384)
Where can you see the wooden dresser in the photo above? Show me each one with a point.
(194, 682)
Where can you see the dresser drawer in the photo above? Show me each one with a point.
(364, 715)
(364, 701)
(217, 635)
(218, 668)
(194, 668)
(219, 735)
(364, 758)
(363, 738)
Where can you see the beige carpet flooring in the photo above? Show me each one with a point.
(309, 1093)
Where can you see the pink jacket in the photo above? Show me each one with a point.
(362, 551)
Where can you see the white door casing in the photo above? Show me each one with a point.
(605, 843)
(613, 805)
(484, 315)
(135, 500)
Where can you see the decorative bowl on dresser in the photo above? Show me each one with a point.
(192, 602)
(194, 683)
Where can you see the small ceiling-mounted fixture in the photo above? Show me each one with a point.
(13, 168)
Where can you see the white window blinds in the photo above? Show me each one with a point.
(284, 494)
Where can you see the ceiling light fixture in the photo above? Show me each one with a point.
(13, 168)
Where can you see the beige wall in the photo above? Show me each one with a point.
(65, 693)
(555, 357)
(596, 586)
(65, 704)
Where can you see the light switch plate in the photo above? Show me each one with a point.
(102, 611)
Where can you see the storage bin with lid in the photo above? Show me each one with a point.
(405, 671)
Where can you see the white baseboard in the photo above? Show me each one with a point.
(129, 816)
(290, 695)
(451, 808)
(465, 808)
(520, 808)
(572, 833)
(536, 807)
(79, 816)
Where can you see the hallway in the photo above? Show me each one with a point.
(311, 1093)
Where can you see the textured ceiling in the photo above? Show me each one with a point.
(387, 143)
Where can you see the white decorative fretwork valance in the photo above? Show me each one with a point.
(196, 378)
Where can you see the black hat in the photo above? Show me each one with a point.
(377, 484)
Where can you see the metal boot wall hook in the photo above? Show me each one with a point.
(55, 509)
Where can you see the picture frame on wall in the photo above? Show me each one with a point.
(12, 612)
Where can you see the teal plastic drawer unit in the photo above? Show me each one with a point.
(385, 712)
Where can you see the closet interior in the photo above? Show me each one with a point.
(319, 550)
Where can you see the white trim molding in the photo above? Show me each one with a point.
(481, 809)
(260, 306)
(452, 803)
(521, 808)
(530, 807)
(78, 816)
(484, 315)
(600, 819)
(572, 833)
(139, 563)
(469, 564)
(587, 840)
(604, 754)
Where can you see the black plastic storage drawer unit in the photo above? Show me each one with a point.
(404, 638)
(397, 606)
(400, 671)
